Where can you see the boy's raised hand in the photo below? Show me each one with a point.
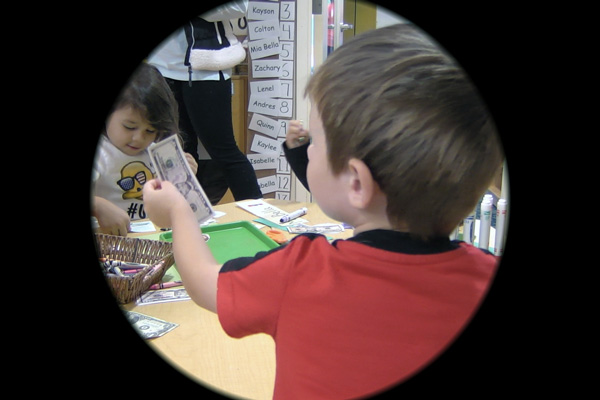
(161, 199)
(296, 135)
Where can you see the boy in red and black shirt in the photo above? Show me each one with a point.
(401, 148)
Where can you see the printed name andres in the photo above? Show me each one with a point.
(264, 104)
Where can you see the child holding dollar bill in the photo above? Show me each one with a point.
(402, 148)
(145, 112)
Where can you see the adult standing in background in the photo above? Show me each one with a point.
(197, 61)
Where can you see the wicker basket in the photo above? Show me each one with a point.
(157, 254)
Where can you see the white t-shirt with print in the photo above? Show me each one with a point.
(119, 178)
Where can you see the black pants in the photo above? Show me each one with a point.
(205, 114)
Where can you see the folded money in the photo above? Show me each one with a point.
(149, 327)
(321, 228)
(169, 161)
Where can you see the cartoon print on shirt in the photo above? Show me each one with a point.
(133, 177)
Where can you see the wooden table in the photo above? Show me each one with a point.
(203, 351)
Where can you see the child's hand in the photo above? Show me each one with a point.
(193, 164)
(296, 135)
(111, 219)
(161, 200)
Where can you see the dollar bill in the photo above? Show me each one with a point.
(321, 228)
(169, 161)
(163, 296)
(149, 327)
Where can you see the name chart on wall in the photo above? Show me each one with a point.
(271, 49)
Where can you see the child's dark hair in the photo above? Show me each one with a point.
(392, 98)
(148, 92)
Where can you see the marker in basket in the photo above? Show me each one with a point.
(294, 215)
(165, 285)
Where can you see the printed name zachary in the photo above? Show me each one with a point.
(261, 68)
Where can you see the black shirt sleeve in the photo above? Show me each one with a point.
(298, 160)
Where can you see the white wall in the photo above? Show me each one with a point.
(385, 17)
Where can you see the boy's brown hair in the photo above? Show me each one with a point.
(392, 98)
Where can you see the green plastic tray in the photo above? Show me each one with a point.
(233, 240)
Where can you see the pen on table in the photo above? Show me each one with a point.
(166, 285)
(294, 215)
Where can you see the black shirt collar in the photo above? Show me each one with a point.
(404, 242)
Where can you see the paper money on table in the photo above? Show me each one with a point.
(169, 161)
(321, 228)
(149, 327)
(268, 212)
(163, 296)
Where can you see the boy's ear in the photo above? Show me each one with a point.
(362, 186)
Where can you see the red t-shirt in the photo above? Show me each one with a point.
(355, 316)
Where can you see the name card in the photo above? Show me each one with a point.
(262, 11)
(283, 127)
(264, 145)
(286, 88)
(265, 125)
(263, 161)
(287, 30)
(263, 105)
(287, 51)
(267, 68)
(264, 48)
(282, 195)
(283, 167)
(264, 29)
(285, 108)
(288, 11)
(268, 184)
(270, 88)
(284, 182)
